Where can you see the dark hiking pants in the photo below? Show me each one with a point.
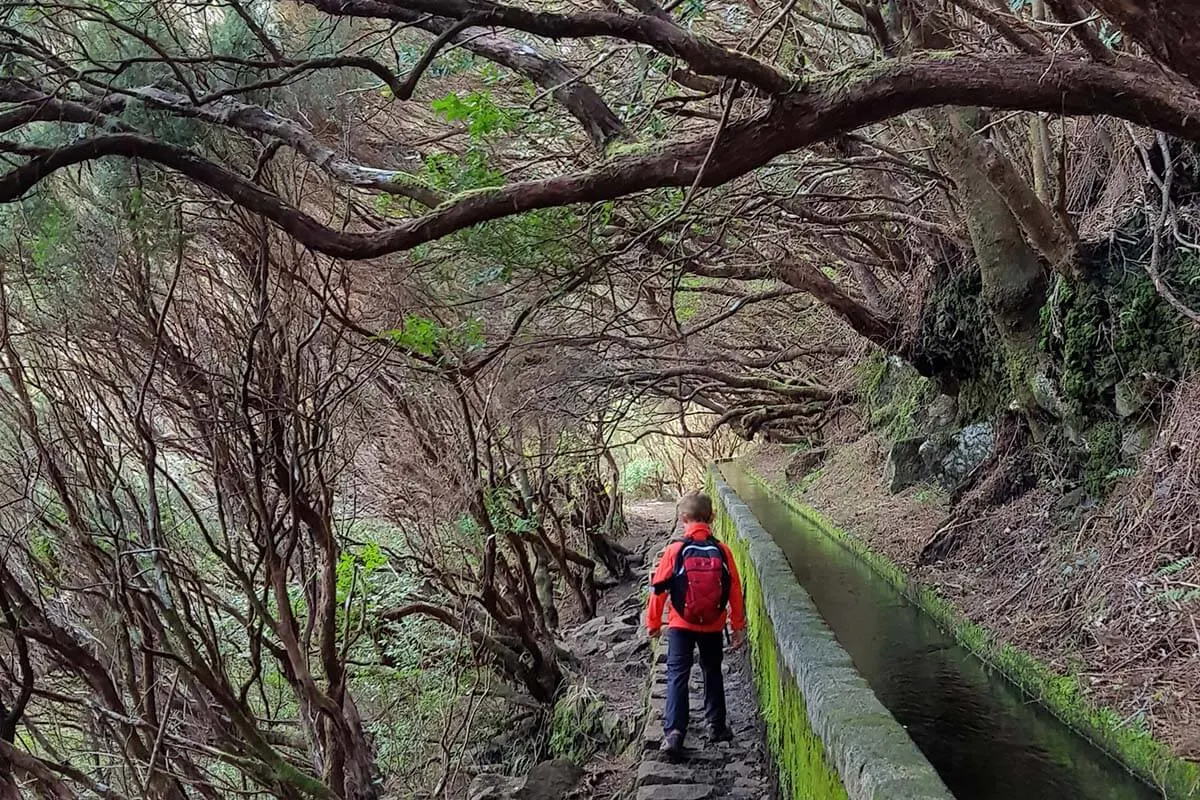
(681, 644)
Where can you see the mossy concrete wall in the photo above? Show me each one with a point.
(810, 691)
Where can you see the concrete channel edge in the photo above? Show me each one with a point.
(871, 752)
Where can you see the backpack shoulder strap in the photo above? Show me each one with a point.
(662, 586)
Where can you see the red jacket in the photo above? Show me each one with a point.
(736, 612)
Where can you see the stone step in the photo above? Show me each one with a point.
(686, 791)
(654, 773)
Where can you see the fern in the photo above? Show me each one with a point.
(1176, 566)
(1180, 594)
(1120, 472)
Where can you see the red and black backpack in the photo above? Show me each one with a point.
(699, 584)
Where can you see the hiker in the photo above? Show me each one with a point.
(699, 577)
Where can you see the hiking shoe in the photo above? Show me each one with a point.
(672, 744)
(720, 733)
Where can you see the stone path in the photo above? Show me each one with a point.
(738, 770)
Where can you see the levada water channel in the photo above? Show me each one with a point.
(985, 739)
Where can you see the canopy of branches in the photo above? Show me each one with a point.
(326, 328)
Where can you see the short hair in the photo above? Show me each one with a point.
(696, 506)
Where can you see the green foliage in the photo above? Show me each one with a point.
(450, 173)
(579, 726)
(358, 566)
(1178, 565)
(428, 338)
(1063, 695)
(503, 510)
(1178, 594)
(416, 333)
(483, 116)
(52, 228)
(640, 476)
(536, 241)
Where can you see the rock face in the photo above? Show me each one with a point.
(972, 445)
(939, 458)
(549, 780)
(904, 466)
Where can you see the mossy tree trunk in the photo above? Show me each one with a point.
(1013, 232)
(1015, 279)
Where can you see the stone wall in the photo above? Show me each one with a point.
(829, 735)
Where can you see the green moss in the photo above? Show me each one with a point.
(956, 340)
(1103, 442)
(1116, 325)
(894, 394)
(799, 755)
(1062, 695)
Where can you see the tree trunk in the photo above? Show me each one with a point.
(544, 584)
(1014, 278)
(598, 516)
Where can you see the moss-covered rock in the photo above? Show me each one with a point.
(1115, 327)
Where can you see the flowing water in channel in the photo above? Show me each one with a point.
(982, 735)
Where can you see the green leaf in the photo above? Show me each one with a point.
(418, 334)
(479, 111)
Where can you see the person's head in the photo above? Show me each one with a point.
(695, 507)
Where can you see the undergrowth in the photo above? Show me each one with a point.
(1062, 695)
(578, 725)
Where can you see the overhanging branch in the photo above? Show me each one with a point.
(837, 104)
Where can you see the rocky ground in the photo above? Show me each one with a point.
(615, 663)
(737, 770)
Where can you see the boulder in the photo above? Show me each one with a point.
(904, 466)
(549, 780)
(941, 458)
(802, 463)
(972, 445)
(623, 651)
(1070, 500)
(939, 414)
(590, 628)
(934, 449)
(1136, 393)
(494, 787)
